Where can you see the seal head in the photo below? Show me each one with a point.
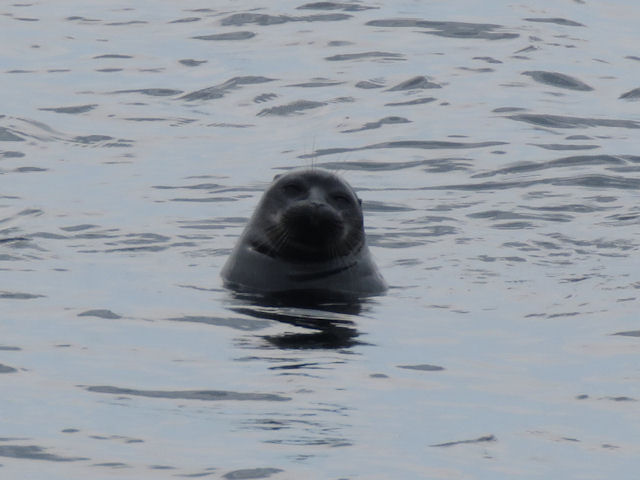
(306, 234)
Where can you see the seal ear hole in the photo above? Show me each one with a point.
(360, 201)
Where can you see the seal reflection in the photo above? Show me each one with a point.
(328, 324)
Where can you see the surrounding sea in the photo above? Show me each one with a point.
(496, 148)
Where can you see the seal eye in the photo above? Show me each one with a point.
(293, 189)
(341, 199)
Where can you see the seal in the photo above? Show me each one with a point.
(306, 235)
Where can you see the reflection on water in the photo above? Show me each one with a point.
(326, 325)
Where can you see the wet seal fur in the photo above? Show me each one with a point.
(305, 236)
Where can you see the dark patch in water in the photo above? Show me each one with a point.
(559, 146)
(11, 154)
(479, 31)
(320, 82)
(487, 59)
(7, 368)
(368, 85)
(91, 139)
(18, 296)
(72, 110)
(378, 124)
(113, 55)
(186, 20)
(239, 19)
(417, 101)
(243, 35)
(557, 21)
(365, 55)
(218, 91)
(631, 94)
(100, 313)
(154, 92)
(345, 7)
(206, 395)
(577, 160)
(243, 324)
(290, 108)
(559, 80)
(6, 135)
(423, 367)
(78, 228)
(29, 169)
(4, 348)
(190, 62)
(33, 452)
(111, 465)
(418, 144)
(500, 215)
(251, 473)
(561, 121)
(590, 181)
(415, 83)
(486, 438)
(630, 333)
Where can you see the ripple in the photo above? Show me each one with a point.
(190, 62)
(631, 94)
(573, 161)
(244, 324)
(417, 101)
(378, 124)
(561, 121)
(432, 165)
(205, 395)
(485, 439)
(18, 295)
(507, 215)
(591, 181)
(415, 83)
(415, 144)
(7, 368)
(112, 55)
(560, 146)
(100, 313)
(8, 135)
(484, 31)
(423, 367)
(291, 108)
(243, 35)
(557, 21)
(218, 91)
(365, 55)
(239, 19)
(346, 7)
(34, 452)
(154, 92)
(559, 80)
(71, 110)
(630, 333)
(250, 473)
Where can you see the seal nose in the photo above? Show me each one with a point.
(316, 198)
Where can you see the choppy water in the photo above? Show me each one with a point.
(495, 146)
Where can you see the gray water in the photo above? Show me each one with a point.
(495, 147)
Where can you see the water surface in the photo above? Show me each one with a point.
(497, 158)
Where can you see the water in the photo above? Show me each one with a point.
(495, 147)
